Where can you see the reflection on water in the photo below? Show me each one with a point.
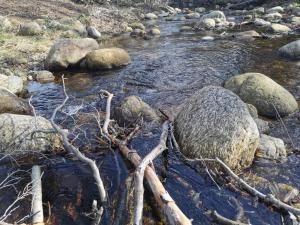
(165, 71)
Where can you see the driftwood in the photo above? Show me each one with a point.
(167, 205)
(37, 199)
(224, 221)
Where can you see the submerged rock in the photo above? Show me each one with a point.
(30, 29)
(271, 148)
(215, 15)
(68, 52)
(12, 83)
(277, 9)
(186, 29)
(291, 50)
(273, 17)
(264, 93)
(17, 137)
(138, 33)
(133, 109)
(10, 103)
(247, 34)
(215, 122)
(262, 23)
(106, 58)
(154, 31)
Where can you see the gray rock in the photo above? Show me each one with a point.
(291, 50)
(12, 83)
(215, 122)
(295, 20)
(154, 31)
(10, 103)
(193, 15)
(133, 109)
(214, 15)
(247, 34)
(42, 76)
(106, 58)
(262, 125)
(262, 23)
(200, 10)
(137, 25)
(16, 134)
(30, 29)
(277, 9)
(271, 148)
(79, 28)
(68, 52)
(273, 17)
(208, 23)
(150, 16)
(186, 29)
(93, 32)
(264, 93)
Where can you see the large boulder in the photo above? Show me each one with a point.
(12, 83)
(133, 109)
(264, 93)
(215, 122)
(69, 52)
(18, 136)
(10, 103)
(106, 58)
(291, 50)
(30, 29)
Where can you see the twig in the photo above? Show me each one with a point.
(140, 170)
(224, 221)
(72, 149)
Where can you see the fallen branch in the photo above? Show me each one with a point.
(75, 151)
(167, 205)
(37, 200)
(223, 220)
(140, 171)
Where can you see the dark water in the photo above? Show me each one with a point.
(165, 71)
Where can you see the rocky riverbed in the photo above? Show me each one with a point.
(230, 80)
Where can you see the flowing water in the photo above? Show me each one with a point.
(165, 71)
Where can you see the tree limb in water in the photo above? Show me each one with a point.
(167, 205)
(140, 171)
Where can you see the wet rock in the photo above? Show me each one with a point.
(68, 52)
(12, 83)
(155, 31)
(264, 93)
(137, 25)
(263, 126)
(271, 148)
(247, 34)
(208, 23)
(273, 17)
(5, 24)
(193, 15)
(291, 50)
(150, 16)
(10, 103)
(106, 58)
(215, 15)
(262, 23)
(200, 10)
(42, 76)
(128, 29)
(178, 10)
(186, 29)
(138, 33)
(215, 122)
(93, 32)
(133, 109)
(30, 29)
(279, 28)
(16, 134)
(277, 9)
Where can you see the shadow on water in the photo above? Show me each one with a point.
(164, 72)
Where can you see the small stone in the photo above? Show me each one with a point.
(30, 29)
(93, 32)
(271, 148)
(279, 28)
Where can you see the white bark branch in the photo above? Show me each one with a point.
(139, 174)
(37, 198)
